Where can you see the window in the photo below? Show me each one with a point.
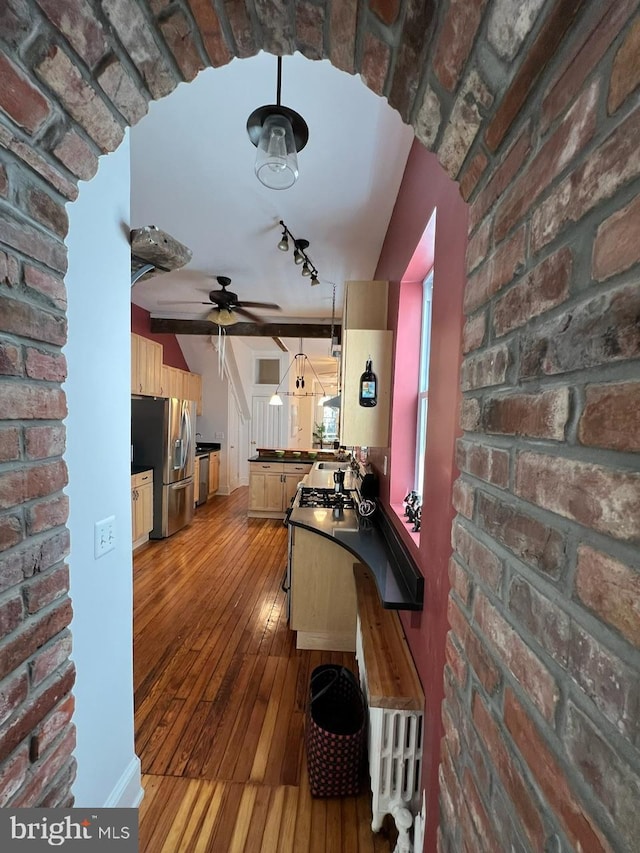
(267, 371)
(423, 381)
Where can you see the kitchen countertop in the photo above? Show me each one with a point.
(205, 447)
(138, 469)
(289, 457)
(371, 540)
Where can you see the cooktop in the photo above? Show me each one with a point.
(325, 498)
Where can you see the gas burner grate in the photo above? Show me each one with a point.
(325, 498)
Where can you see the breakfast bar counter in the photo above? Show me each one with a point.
(372, 540)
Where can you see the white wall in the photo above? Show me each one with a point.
(98, 458)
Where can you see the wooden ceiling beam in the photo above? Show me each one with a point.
(161, 325)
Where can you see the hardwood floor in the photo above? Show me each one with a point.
(220, 697)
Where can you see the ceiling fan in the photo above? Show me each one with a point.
(226, 305)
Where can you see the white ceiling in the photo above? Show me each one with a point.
(192, 176)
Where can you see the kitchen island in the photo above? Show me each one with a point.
(324, 544)
(274, 476)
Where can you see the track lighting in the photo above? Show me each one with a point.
(278, 133)
(283, 245)
(300, 256)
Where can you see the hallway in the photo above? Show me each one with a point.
(220, 694)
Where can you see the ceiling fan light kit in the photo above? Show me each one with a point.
(222, 316)
(300, 256)
(278, 134)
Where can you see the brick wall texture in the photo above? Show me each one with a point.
(533, 108)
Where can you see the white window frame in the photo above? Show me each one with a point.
(423, 380)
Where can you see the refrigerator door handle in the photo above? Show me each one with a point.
(176, 487)
(186, 432)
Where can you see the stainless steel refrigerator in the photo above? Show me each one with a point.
(163, 438)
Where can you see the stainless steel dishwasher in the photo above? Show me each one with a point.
(203, 479)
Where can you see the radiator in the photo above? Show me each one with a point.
(395, 756)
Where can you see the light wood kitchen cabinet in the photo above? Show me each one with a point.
(146, 366)
(196, 480)
(214, 472)
(361, 426)
(182, 384)
(365, 337)
(193, 390)
(173, 382)
(323, 593)
(365, 305)
(272, 485)
(141, 507)
(150, 377)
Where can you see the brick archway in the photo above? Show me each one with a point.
(538, 122)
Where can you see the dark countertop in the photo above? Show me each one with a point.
(372, 541)
(207, 447)
(289, 457)
(298, 459)
(138, 469)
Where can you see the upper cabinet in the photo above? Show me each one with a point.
(151, 378)
(365, 338)
(146, 366)
(365, 305)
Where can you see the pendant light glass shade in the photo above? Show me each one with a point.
(222, 316)
(275, 400)
(276, 157)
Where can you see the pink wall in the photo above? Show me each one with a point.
(426, 187)
(172, 354)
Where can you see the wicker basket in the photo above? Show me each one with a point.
(335, 732)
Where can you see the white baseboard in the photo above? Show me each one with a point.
(128, 792)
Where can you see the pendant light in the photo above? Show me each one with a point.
(300, 361)
(278, 133)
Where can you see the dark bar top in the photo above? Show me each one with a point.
(372, 540)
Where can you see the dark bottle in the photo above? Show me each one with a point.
(368, 387)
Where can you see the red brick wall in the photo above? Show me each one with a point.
(541, 713)
(539, 124)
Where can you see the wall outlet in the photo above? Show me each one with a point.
(219, 436)
(104, 536)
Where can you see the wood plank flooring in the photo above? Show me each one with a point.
(220, 698)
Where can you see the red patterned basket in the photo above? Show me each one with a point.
(335, 732)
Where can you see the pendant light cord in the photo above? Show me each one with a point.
(279, 86)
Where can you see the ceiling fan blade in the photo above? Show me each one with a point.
(239, 310)
(271, 305)
(180, 302)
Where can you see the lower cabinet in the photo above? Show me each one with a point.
(214, 472)
(141, 507)
(272, 485)
(323, 593)
(196, 480)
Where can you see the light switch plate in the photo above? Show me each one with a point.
(104, 536)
